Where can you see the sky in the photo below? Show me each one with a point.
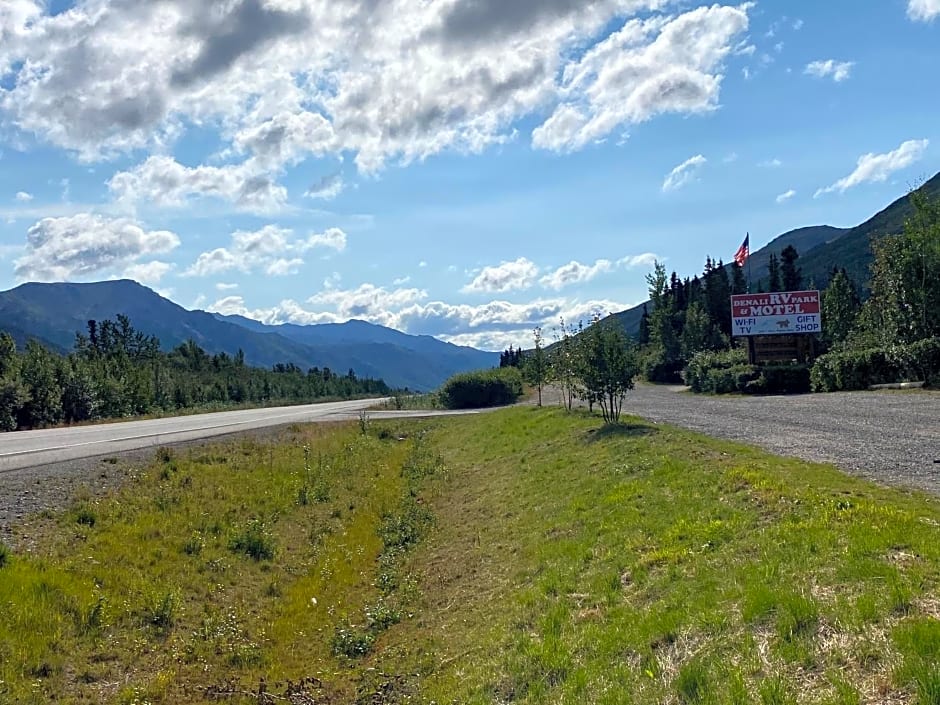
(468, 169)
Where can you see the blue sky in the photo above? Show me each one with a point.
(466, 168)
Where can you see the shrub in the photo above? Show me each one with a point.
(351, 642)
(781, 379)
(473, 390)
(4, 554)
(719, 372)
(254, 540)
(859, 369)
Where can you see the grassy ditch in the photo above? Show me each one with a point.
(521, 556)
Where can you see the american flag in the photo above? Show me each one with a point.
(744, 251)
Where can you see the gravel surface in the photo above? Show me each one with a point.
(890, 437)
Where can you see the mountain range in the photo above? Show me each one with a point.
(54, 313)
(822, 247)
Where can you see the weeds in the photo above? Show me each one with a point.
(254, 540)
(4, 554)
(162, 611)
(86, 516)
(692, 682)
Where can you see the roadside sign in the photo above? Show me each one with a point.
(779, 313)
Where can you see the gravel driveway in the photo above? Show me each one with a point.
(890, 437)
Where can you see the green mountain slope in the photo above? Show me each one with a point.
(821, 248)
(853, 250)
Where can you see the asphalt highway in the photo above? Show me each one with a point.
(31, 448)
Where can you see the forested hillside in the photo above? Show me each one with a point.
(116, 371)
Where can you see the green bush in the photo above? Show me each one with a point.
(859, 369)
(718, 372)
(474, 390)
(727, 372)
(781, 379)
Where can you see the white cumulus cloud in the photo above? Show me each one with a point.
(576, 272)
(878, 167)
(923, 10)
(87, 245)
(646, 68)
(838, 70)
(786, 196)
(24, 197)
(387, 80)
(506, 276)
(163, 181)
(271, 249)
(684, 173)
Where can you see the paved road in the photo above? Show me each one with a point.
(890, 437)
(30, 448)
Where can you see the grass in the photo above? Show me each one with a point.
(523, 556)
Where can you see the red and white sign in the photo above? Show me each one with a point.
(780, 313)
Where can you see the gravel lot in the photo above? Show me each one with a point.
(891, 437)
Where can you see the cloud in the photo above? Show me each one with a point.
(327, 188)
(279, 80)
(923, 10)
(271, 249)
(87, 245)
(332, 238)
(165, 182)
(149, 273)
(771, 164)
(878, 167)
(838, 70)
(223, 286)
(576, 273)
(223, 38)
(23, 196)
(506, 276)
(786, 196)
(684, 173)
(647, 68)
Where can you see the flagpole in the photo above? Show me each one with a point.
(748, 263)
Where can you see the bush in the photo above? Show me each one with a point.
(474, 390)
(719, 372)
(781, 379)
(859, 369)
(727, 371)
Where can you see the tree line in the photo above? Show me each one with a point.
(116, 371)
(889, 329)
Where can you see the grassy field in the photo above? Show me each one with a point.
(521, 556)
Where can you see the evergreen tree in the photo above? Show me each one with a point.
(643, 336)
(773, 270)
(718, 296)
(840, 307)
(738, 282)
(665, 354)
(791, 275)
(38, 370)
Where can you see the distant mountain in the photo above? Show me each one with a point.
(398, 350)
(54, 313)
(821, 248)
